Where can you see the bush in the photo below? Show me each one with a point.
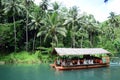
(21, 57)
(27, 57)
(117, 45)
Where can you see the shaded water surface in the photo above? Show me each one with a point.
(44, 72)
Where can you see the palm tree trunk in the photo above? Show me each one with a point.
(81, 44)
(34, 42)
(53, 43)
(14, 33)
(27, 33)
(73, 39)
(40, 40)
(73, 35)
(91, 40)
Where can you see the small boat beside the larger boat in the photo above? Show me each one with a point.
(80, 58)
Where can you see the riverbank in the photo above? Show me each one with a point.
(26, 57)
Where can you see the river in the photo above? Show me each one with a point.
(45, 72)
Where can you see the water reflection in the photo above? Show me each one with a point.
(44, 72)
(85, 74)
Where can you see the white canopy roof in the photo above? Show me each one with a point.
(79, 51)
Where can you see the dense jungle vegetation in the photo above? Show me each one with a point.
(29, 31)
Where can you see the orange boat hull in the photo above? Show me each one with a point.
(79, 66)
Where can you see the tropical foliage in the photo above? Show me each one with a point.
(27, 26)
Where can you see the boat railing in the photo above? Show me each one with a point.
(82, 65)
(82, 62)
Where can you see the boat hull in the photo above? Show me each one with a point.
(79, 66)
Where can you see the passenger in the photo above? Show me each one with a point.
(58, 62)
(63, 63)
(78, 62)
(96, 60)
(82, 61)
(71, 64)
(85, 62)
(91, 61)
(101, 61)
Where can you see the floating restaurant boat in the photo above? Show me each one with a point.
(80, 58)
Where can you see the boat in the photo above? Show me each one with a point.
(80, 58)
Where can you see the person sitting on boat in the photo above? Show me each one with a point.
(63, 63)
(88, 61)
(91, 61)
(71, 64)
(85, 61)
(78, 62)
(81, 61)
(103, 60)
(58, 62)
(100, 61)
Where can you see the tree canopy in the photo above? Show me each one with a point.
(27, 26)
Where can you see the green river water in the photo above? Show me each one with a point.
(45, 72)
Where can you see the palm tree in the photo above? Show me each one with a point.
(53, 28)
(72, 22)
(113, 20)
(56, 7)
(91, 26)
(44, 5)
(112, 23)
(27, 4)
(81, 36)
(13, 7)
(1, 11)
(35, 24)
